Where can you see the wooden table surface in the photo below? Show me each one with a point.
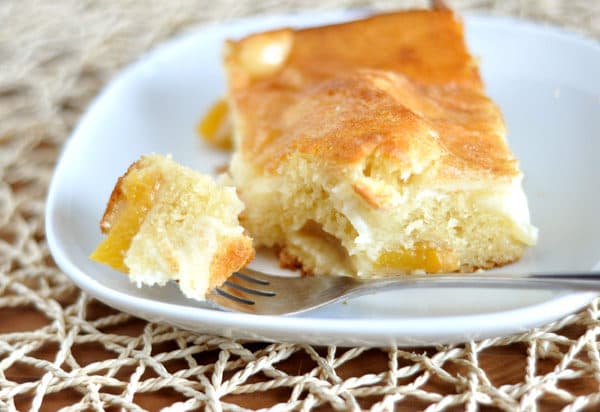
(503, 365)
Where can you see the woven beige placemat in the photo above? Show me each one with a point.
(54, 57)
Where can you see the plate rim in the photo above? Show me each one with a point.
(377, 329)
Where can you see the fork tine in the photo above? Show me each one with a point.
(251, 285)
(234, 284)
(274, 282)
(225, 301)
(257, 276)
(240, 299)
(247, 277)
(249, 291)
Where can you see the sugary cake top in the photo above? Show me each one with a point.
(398, 92)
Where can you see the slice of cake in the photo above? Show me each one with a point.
(370, 148)
(167, 222)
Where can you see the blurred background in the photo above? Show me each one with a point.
(54, 55)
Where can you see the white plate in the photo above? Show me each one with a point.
(546, 81)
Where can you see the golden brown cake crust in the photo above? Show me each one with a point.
(116, 196)
(379, 133)
(231, 257)
(401, 87)
(426, 45)
(151, 174)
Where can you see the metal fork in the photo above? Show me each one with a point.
(250, 291)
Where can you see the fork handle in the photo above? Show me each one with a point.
(589, 281)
